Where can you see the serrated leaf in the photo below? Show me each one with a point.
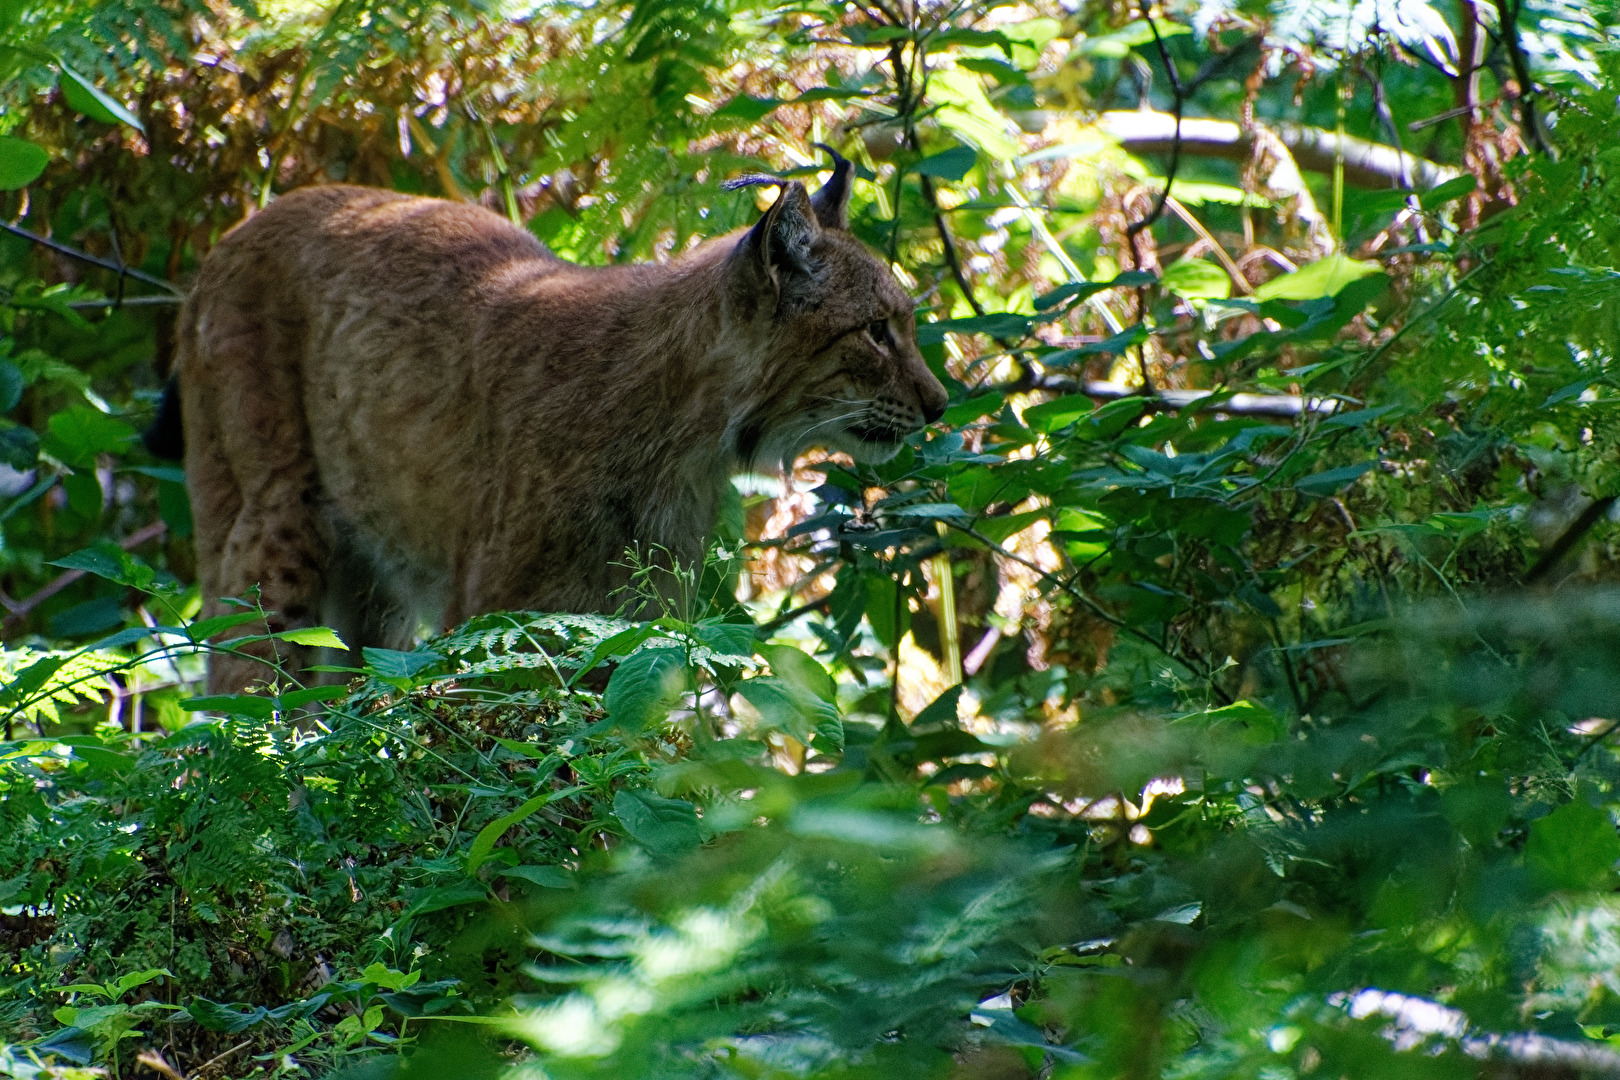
(394, 664)
(203, 629)
(79, 433)
(661, 825)
(1574, 847)
(315, 637)
(643, 686)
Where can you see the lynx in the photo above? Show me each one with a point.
(401, 411)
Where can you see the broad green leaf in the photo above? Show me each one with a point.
(203, 629)
(798, 668)
(21, 162)
(255, 706)
(665, 826)
(1333, 480)
(12, 383)
(1574, 847)
(296, 699)
(19, 447)
(315, 637)
(748, 108)
(1455, 188)
(966, 111)
(970, 410)
(485, 841)
(643, 686)
(952, 164)
(79, 433)
(386, 977)
(1059, 413)
(547, 877)
(1003, 324)
(113, 563)
(1118, 44)
(1324, 277)
(1197, 279)
(785, 707)
(83, 95)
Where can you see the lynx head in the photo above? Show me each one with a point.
(834, 332)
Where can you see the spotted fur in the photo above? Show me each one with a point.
(402, 411)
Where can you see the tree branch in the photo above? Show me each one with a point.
(1366, 164)
(85, 257)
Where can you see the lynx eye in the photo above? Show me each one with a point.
(878, 331)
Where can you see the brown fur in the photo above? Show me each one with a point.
(402, 410)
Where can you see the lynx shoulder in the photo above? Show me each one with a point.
(401, 410)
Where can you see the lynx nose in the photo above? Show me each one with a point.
(931, 395)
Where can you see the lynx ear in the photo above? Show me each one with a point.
(782, 240)
(831, 203)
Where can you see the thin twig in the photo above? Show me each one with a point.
(1091, 605)
(86, 257)
(1507, 15)
(1571, 536)
(19, 612)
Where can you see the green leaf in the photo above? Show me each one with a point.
(1324, 277)
(983, 39)
(799, 669)
(203, 629)
(786, 707)
(21, 162)
(974, 407)
(952, 164)
(19, 447)
(748, 108)
(79, 433)
(1455, 188)
(1002, 324)
(643, 686)
(1059, 413)
(485, 841)
(83, 95)
(547, 877)
(11, 385)
(1083, 290)
(1333, 480)
(315, 637)
(665, 826)
(393, 664)
(295, 699)
(1197, 279)
(113, 563)
(254, 706)
(1574, 847)
(382, 975)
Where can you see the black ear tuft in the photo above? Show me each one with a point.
(831, 203)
